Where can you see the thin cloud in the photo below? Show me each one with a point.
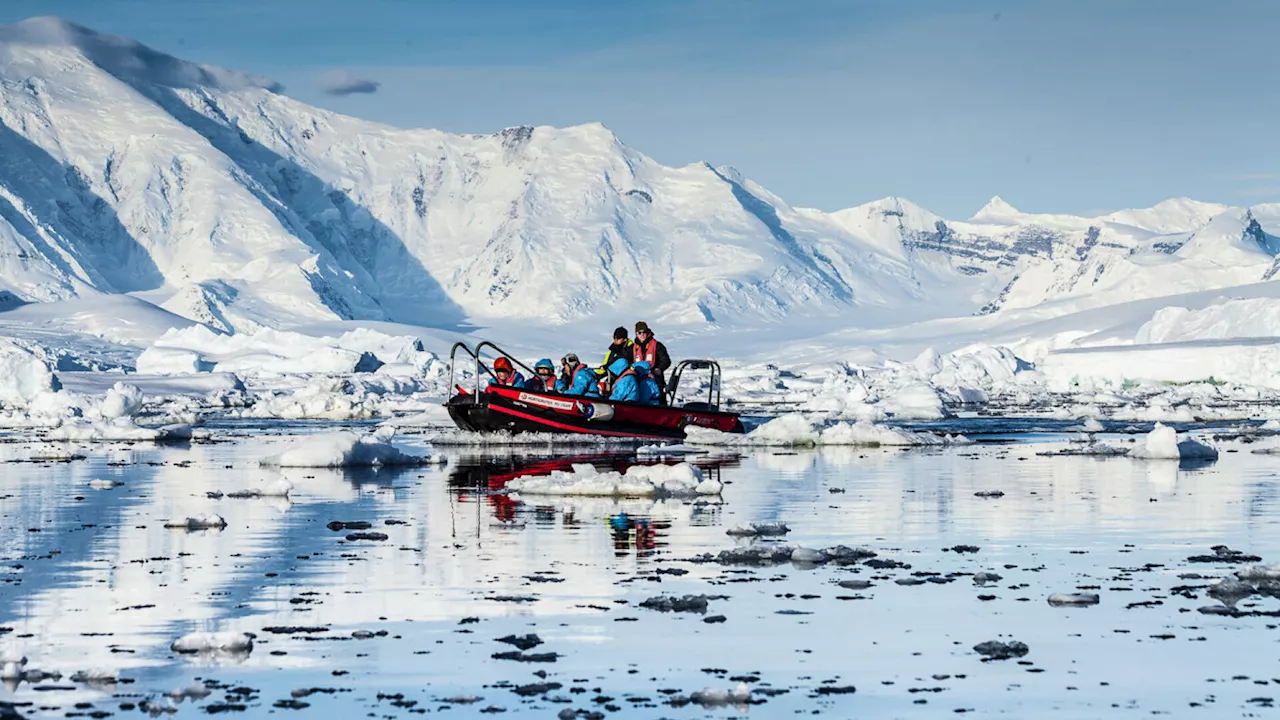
(341, 82)
(1261, 192)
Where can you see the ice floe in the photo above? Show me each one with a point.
(808, 430)
(199, 522)
(683, 480)
(1162, 443)
(232, 643)
(343, 449)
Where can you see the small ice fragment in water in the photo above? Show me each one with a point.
(344, 449)
(1259, 572)
(755, 555)
(855, 584)
(1162, 444)
(96, 676)
(203, 522)
(687, 603)
(986, 578)
(213, 642)
(682, 480)
(808, 556)
(760, 529)
(1073, 599)
(104, 484)
(523, 642)
(12, 668)
(996, 650)
(708, 697)
(1230, 590)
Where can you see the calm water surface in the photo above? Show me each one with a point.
(91, 579)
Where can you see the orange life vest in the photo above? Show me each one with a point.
(646, 352)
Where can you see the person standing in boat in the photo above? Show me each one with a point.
(575, 377)
(619, 351)
(544, 379)
(648, 349)
(505, 374)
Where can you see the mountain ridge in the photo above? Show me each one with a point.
(240, 207)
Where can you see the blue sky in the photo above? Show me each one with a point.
(1079, 106)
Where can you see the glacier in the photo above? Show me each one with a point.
(162, 217)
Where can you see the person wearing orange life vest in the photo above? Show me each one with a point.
(505, 374)
(647, 348)
(544, 379)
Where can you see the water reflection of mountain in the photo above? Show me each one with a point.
(104, 563)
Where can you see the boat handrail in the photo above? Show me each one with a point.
(453, 352)
(713, 390)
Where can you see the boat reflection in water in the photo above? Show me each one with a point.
(482, 480)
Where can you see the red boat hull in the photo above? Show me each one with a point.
(515, 410)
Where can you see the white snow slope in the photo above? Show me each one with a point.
(128, 173)
(239, 207)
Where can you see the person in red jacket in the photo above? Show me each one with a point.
(647, 348)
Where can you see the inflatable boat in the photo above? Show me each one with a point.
(503, 408)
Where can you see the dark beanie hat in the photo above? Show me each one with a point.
(619, 333)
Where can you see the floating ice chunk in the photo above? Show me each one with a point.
(343, 449)
(669, 450)
(1091, 425)
(709, 697)
(786, 430)
(54, 453)
(201, 522)
(996, 650)
(808, 556)
(12, 668)
(755, 555)
(1192, 449)
(122, 400)
(23, 375)
(122, 429)
(1162, 444)
(681, 480)
(277, 488)
(871, 435)
(915, 402)
(773, 529)
(1259, 572)
(1073, 599)
(1229, 590)
(1095, 449)
(96, 676)
(104, 484)
(800, 430)
(213, 642)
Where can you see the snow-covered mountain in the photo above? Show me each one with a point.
(214, 195)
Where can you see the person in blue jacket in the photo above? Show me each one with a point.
(650, 391)
(636, 385)
(544, 377)
(576, 378)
